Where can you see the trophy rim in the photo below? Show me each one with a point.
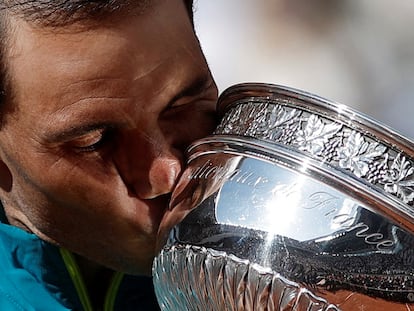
(340, 137)
(373, 198)
(353, 118)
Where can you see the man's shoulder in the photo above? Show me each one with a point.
(19, 291)
(10, 301)
(22, 276)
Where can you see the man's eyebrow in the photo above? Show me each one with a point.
(74, 132)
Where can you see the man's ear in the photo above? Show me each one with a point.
(6, 178)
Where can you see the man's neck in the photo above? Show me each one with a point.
(97, 280)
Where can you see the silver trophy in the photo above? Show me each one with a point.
(294, 203)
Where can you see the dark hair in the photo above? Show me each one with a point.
(55, 13)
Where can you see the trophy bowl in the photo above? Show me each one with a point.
(293, 203)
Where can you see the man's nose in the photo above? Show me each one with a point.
(162, 175)
(149, 166)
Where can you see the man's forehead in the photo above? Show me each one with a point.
(116, 53)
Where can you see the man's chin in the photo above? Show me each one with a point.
(135, 264)
(143, 268)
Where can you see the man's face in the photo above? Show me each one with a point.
(94, 142)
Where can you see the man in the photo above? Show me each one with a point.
(100, 99)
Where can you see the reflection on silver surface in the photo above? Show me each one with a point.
(212, 280)
(260, 223)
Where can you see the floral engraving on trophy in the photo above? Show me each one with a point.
(332, 142)
(356, 154)
(316, 134)
(273, 122)
(279, 125)
(399, 179)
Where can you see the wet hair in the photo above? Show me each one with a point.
(61, 12)
(58, 13)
